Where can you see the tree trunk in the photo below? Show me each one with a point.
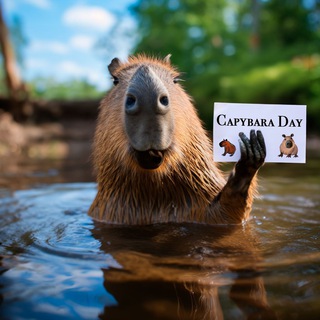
(16, 88)
(255, 35)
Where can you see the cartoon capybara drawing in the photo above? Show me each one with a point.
(153, 157)
(288, 147)
(229, 148)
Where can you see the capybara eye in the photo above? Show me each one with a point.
(115, 80)
(176, 80)
(130, 101)
(164, 100)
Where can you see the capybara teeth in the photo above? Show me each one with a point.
(155, 153)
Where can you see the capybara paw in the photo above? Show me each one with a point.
(253, 151)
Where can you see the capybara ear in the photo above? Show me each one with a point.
(114, 65)
(167, 58)
(291, 135)
(284, 135)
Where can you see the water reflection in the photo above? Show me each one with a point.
(175, 271)
(56, 263)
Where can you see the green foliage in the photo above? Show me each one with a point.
(289, 20)
(50, 89)
(293, 82)
(238, 51)
(188, 29)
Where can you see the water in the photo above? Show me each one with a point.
(57, 263)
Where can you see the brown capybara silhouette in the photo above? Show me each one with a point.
(229, 148)
(206, 264)
(288, 147)
(154, 159)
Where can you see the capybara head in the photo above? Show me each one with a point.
(223, 142)
(145, 120)
(148, 118)
(288, 142)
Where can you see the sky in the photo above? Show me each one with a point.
(62, 37)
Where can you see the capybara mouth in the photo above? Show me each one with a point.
(149, 159)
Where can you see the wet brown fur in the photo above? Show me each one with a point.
(185, 188)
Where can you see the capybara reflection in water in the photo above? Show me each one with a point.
(154, 159)
(229, 148)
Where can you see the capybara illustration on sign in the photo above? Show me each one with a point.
(288, 147)
(229, 148)
(153, 157)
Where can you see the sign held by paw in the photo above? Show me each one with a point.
(282, 126)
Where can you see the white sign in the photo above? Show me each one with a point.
(283, 128)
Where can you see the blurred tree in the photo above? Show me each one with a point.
(286, 22)
(192, 30)
(16, 88)
(51, 89)
(195, 33)
(119, 40)
(255, 37)
(19, 40)
(217, 41)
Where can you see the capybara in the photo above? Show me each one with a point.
(154, 159)
(288, 147)
(229, 148)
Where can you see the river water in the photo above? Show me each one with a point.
(57, 263)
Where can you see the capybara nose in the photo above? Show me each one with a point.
(289, 144)
(131, 104)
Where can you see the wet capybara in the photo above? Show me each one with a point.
(288, 147)
(154, 159)
(229, 148)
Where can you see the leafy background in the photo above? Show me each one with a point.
(261, 51)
